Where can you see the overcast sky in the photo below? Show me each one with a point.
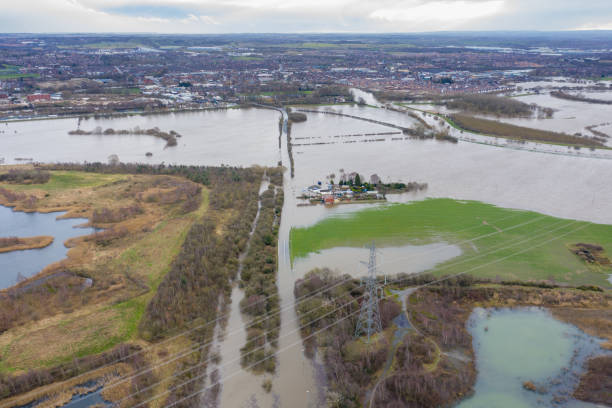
(239, 16)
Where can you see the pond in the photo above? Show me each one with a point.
(513, 346)
(30, 262)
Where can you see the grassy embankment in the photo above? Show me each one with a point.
(543, 241)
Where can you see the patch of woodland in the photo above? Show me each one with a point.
(170, 137)
(25, 176)
(426, 370)
(258, 280)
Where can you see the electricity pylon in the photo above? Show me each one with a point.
(369, 316)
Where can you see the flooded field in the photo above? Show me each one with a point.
(514, 346)
(558, 185)
(570, 116)
(29, 262)
(565, 186)
(238, 137)
(394, 260)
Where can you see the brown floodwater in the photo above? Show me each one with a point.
(556, 184)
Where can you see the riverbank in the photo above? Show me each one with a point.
(23, 244)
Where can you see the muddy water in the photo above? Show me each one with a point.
(526, 344)
(563, 186)
(240, 137)
(392, 260)
(570, 116)
(553, 184)
(240, 387)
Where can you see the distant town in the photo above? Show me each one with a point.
(51, 75)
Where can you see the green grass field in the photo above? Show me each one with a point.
(5, 74)
(505, 243)
(247, 58)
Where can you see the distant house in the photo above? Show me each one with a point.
(38, 97)
(329, 199)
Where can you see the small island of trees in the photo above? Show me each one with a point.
(170, 137)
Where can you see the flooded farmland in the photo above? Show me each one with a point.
(555, 184)
(236, 137)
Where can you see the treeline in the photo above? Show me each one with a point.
(497, 106)
(25, 176)
(290, 149)
(289, 94)
(579, 98)
(209, 176)
(97, 109)
(170, 137)
(495, 128)
(423, 133)
(392, 95)
(258, 280)
(297, 117)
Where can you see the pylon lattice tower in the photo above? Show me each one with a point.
(369, 315)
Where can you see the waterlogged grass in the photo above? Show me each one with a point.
(504, 243)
